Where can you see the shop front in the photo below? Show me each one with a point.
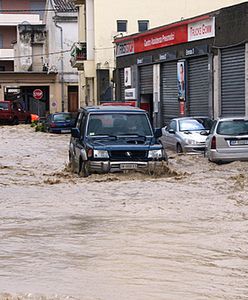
(170, 69)
(196, 67)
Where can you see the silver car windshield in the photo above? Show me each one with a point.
(196, 124)
(233, 127)
(116, 124)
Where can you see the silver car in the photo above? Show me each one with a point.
(228, 140)
(186, 134)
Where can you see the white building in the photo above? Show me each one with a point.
(62, 31)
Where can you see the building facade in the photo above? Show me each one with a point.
(197, 66)
(106, 20)
(62, 31)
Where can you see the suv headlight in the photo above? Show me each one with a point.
(155, 154)
(101, 154)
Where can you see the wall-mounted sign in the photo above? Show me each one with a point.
(125, 48)
(38, 94)
(201, 30)
(127, 76)
(130, 94)
(168, 55)
(199, 50)
(144, 60)
(181, 80)
(161, 39)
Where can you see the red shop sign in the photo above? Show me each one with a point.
(167, 37)
(38, 94)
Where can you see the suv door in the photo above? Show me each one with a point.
(77, 144)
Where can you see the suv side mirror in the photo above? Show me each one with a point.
(171, 131)
(75, 133)
(157, 133)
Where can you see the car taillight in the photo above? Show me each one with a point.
(213, 142)
(53, 125)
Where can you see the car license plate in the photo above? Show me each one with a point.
(65, 131)
(238, 142)
(128, 166)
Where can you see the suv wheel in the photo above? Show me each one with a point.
(83, 169)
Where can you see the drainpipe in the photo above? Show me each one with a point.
(61, 59)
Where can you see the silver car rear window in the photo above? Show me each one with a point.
(233, 127)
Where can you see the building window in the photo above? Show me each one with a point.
(143, 25)
(121, 25)
(2, 68)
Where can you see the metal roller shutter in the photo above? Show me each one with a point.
(198, 86)
(146, 79)
(122, 84)
(169, 94)
(233, 81)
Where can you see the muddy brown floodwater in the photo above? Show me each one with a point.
(118, 237)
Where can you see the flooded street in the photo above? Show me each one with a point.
(118, 237)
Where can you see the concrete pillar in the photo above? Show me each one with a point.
(217, 85)
(156, 95)
(246, 79)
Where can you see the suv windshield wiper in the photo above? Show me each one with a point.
(132, 134)
(102, 136)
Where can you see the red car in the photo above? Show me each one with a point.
(12, 112)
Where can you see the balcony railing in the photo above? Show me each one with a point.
(78, 55)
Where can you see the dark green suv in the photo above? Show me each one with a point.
(114, 139)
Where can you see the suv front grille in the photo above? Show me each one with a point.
(128, 155)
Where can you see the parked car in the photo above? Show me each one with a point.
(114, 139)
(228, 140)
(12, 112)
(61, 122)
(186, 134)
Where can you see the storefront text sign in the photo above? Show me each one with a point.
(201, 30)
(125, 48)
(161, 39)
(130, 94)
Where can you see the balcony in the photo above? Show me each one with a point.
(78, 55)
(6, 54)
(16, 19)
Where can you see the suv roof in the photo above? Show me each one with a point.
(101, 109)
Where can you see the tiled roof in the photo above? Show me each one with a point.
(64, 5)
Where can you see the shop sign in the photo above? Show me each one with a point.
(125, 48)
(130, 94)
(199, 50)
(127, 77)
(201, 30)
(144, 60)
(168, 56)
(167, 37)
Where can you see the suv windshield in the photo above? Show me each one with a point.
(119, 124)
(233, 127)
(4, 106)
(195, 124)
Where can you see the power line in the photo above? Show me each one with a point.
(31, 55)
(72, 10)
